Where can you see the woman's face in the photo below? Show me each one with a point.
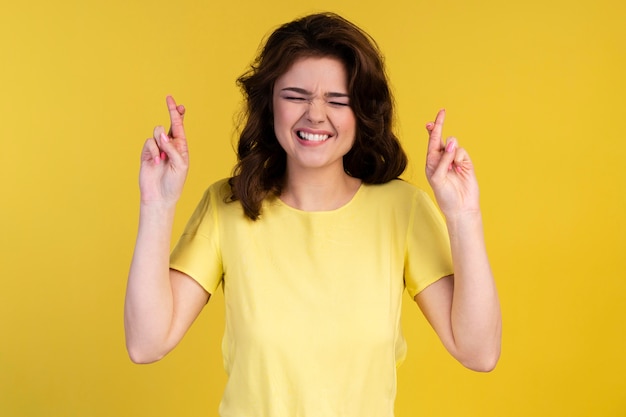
(313, 120)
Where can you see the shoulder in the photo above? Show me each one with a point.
(396, 189)
(220, 188)
(218, 193)
(213, 200)
(219, 197)
(399, 196)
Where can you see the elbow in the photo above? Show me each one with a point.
(483, 362)
(141, 359)
(484, 365)
(141, 355)
(481, 354)
(145, 349)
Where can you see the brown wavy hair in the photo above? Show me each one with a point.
(376, 156)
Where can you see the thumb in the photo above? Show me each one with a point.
(172, 153)
(447, 159)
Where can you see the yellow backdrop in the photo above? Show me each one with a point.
(534, 89)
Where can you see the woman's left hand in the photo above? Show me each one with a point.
(450, 172)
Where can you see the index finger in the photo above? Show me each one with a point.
(435, 142)
(177, 113)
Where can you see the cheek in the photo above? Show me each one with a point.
(348, 124)
(285, 116)
(277, 110)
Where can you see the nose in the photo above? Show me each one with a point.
(315, 112)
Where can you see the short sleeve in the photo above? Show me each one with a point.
(197, 252)
(428, 257)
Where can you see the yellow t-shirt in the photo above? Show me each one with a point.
(313, 298)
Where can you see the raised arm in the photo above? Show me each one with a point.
(464, 308)
(160, 303)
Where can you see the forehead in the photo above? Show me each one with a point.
(312, 73)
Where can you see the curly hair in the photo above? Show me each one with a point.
(376, 156)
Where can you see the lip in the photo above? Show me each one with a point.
(310, 131)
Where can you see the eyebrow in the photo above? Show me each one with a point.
(308, 93)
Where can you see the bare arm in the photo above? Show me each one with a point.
(160, 303)
(464, 308)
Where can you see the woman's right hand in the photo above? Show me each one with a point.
(161, 303)
(165, 160)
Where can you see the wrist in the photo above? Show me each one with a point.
(157, 207)
(461, 220)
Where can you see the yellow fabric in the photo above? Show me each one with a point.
(313, 298)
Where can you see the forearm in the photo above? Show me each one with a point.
(475, 311)
(148, 310)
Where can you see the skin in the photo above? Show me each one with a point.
(464, 308)
(312, 98)
(161, 304)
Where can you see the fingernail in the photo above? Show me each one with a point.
(164, 137)
(450, 146)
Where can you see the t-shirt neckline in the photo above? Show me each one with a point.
(350, 202)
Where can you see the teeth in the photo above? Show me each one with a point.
(312, 137)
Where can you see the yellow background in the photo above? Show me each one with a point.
(534, 89)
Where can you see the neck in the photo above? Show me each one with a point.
(320, 190)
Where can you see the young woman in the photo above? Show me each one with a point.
(314, 238)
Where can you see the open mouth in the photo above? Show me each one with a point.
(312, 137)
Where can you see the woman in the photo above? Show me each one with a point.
(314, 238)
